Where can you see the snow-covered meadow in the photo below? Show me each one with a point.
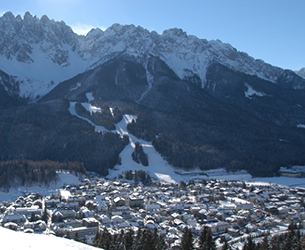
(65, 178)
(12, 240)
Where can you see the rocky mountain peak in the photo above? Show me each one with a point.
(31, 30)
(175, 32)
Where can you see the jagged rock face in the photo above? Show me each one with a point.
(53, 49)
(18, 36)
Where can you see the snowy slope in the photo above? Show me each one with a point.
(41, 76)
(158, 167)
(11, 240)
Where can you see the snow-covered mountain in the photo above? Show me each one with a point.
(40, 53)
(301, 72)
(199, 104)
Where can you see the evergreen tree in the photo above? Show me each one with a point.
(210, 243)
(302, 242)
(202, 239)
(96, 238)
(129, 239)
(187, 240)
(116, 242)
(76, 237)
(264, 245)
(122, 240)
(159, 241)
(289, 243)
(147, 240)
(206, 241)
(275, 243)
(225, 245)
(105, 240)
(138, 241)
(249, 245)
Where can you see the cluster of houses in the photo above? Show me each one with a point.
(231, 209)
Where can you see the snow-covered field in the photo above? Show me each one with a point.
(286, 181)
(65, 179)
(22, 241)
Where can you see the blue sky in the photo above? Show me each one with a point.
(271, 30)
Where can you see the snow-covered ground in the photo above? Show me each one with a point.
(65, 178)
(250, 92)
(22, 241)
(158, 167)
(286, 181)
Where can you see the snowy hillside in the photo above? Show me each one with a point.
(37, 242)
(40, 53)
(158, 167)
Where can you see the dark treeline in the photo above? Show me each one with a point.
(190, 140)
(144, 239)
(187, 157)
(23, 172)
(150, 239)
(139, 156)
(137, 176)
(287, 241)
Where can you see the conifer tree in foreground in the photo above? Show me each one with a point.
(225, 245)
(187, 240)
(249, 245)
(206, 241)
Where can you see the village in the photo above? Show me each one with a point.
(233, 210)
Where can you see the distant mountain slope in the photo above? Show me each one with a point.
(240, 121)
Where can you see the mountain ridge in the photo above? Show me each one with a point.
(28, 43)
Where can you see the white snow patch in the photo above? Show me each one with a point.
(41, 76)
(22, 241)
(250, 92)
(285, 181)
(150, 80)
(73, 112)
(116, 77)
(78, 84)
(90, 108)
(111, 111)
(90, 96)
